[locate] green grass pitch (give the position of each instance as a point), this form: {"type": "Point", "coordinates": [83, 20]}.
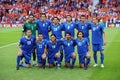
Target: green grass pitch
{"type": "Point", "coordinates": [8, 51]}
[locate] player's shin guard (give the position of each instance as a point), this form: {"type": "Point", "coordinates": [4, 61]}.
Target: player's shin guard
{"type": "Point", "coordinates": [61, 56]}
{"type": "Point", "coordinates": [34, 56]}
{"type": "Point", "coordinates": [95, 57]}
{"type": "Point", "coordinates": [18, 60]}
{"type": "Point", "coordinates": [43, 63]}
{"type": "Point", "coordinates": [102, 58]}
{"type": "Point", "coordinates": [58, 62]}
{"type": "Point", "coordinates": [73, 61]}
{"type": "Point", "coordinates": [87, 61]}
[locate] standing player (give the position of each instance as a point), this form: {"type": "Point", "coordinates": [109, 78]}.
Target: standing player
{"type": "Point", "coordinates": [69, 25]}
{"type": "Point", "coordinates": [98, 41]}
{"type": "Point", "coordinates": [41, 51]}
{"type": "Point", "coordinates": [25, 48]}
{"type": "Point", "coordinates": [56, 29]}
{"type": "Point", "coordinates": [44, 26]}
{"type": "Point", "coordinates": [84, 26]}
{"type": "Point", "coordinates": [69, 44]}
{"type": "Point", "coordinates": [30, 25]}
{"type": "Point", "coordinates": [53, 52]}
{"type": "Point", "coordinates": [83, 48]}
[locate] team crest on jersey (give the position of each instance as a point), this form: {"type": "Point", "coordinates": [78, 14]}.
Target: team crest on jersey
{"type": "Point", "coordinates": [68, 27]}
{"type": "Point", "coordinates": [79, 44]}
{"type": "Point", "coordinates": [82, 27]}
{"type": "Point", "coordinates": [53, 46]}
{"type": "Point", "coordinates": [43, 24]}
{"type": "Point", "coordinates": [28, 42]}
{"type": "Point", "coordinates": [68, 44]}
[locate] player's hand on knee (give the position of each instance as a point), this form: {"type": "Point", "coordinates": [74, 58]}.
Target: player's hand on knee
{"type": "Point", "coordinates": [58, 55]}
{"type": "Point", "coordinates": [37, 40]}
{"type": "Point", "coordinates": [19, 52]}
{"type": "Point", "coordinates": [73, 55]}
{"type": "Point", "coordinates": [88, 55]}
{"type": "Point", "coordinates": [44, 56]}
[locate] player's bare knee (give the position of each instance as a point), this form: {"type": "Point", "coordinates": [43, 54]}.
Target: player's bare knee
{"type": "Point", "coordinates": [81, 65]}
{"type": "Point", "coordinates": [73, 55]}
{"type": "Point", "coordinates": [67, 65]}
{"type": "Point", "coordinates": [50, 65]}
{"type": "Point", "coordinates": [57, 55]}
{"type": "Point", "coordinates": [27, 65]}
{"type": "Point", "coordinates": [88, 56]}
{"type": "Point", "coordinates": [43, 56]}
{"type": "Point", "coordinates": [19, 54]}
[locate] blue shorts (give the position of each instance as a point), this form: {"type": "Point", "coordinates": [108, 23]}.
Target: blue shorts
{"type": "Point", "coordinates": [27, 56]}
{"type": "Point", "coordinates": [39, 58]}
{"type": "Point", "coordinates": [68, 56]}
{"type": "Point", "coordinates": [51, 58]}
{"type": "Point", "coordinates": [98, 47]}
{"type": "Point", "coordinates": [81, 58]}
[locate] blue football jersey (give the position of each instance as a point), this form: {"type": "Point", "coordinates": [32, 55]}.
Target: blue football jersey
{"type": "Point", "coordinates": [97, 33]}
{"type": "Point", "coordinates": [84, 28]}
{"type": "Point", "coordinates": [27, 44]}
{"type": "Point", "coordinates": [68, 46]}
{"type": "Point", "coordinates": [52, 48]}
{"type": "Point", "coordinates": [44, 27]}
{"type": "Point", "coordinates": [69, 27]}
{"type": "Point", "coordinates": [57, 30]}
{"type": "Point", "coordinates": [40, 46]}
{"type": "Point", "coordinates": [82, 45]}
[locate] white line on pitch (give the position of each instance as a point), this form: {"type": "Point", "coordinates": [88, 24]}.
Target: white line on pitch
{"type": "Point", "coordinates": [7, 45]}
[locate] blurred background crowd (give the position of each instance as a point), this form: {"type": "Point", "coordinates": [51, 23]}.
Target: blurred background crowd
{"type": "Point", "coordinates": [17, 11]}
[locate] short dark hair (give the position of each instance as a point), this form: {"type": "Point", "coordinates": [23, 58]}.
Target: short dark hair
{"type": "Point", "coordinates": [67, 33]}
{"type": "Point", "coordinates": [53, 35]}
{"type": "Point", "coordinates": [40, 34]}
{"type": "Point", "coordinates": [56, 18]}
{"type": "Point", "coordinates": [43, 14]}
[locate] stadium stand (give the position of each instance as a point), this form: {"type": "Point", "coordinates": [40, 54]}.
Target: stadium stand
{"type": "Point", "coordinates": [17, 11]}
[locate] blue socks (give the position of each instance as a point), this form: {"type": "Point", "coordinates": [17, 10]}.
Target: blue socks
{"type": "Point", "coordinates": [95, 57]}
{"type": "Point", "coordinates": [73, 61]}
{"type": "Point", "coordinates": [18, 60]}
{"type": "Point", "coordinates": [87, 61]}
{"type": "Point", "coordinates": [102, 58]}
{"type": "Point", "coordinates": [61, 57]}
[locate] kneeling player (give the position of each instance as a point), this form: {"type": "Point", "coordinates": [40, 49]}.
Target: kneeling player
{"type": "Point", "coordinates": [41, 51]}
{"type": "Point", "coordinates": [83, 48]}
{"type": "Point", "coordinates": [69, 44]}
{"type": "Point", "coordinates": [25, 47]}
{"type": "Point", "coordinates": [53, 52]}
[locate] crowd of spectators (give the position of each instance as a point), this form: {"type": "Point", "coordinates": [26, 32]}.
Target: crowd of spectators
{"type": "Point", "coordinates": [17, 11]}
